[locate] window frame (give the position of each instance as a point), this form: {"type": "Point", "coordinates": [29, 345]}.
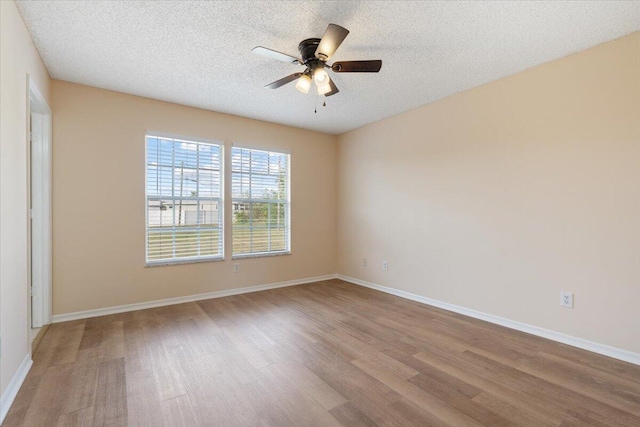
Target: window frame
{"type": "Point", "coordinates": [288, 221]}
{"type": "Point", "coordinates": [220, 199]}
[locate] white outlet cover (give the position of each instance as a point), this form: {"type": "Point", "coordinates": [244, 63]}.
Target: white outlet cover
{"type": "Point", "coordinates": [385, 266]}
{"type": "Point", "coordinates": [236, 267]}
{"type": "Point", "coordinates": [364, 262]}
{"type": "Point", "coordinates": [566, 299]}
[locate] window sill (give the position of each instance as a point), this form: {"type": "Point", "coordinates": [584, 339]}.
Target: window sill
{"type": "Point", "coordinates": [180, 262]}
{"type": "Point", "coordinates": [261, 255]}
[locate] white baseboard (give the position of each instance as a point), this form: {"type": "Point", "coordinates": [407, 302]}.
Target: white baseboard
{"type": "Point", "coordinates": [606, 350]}
{"type": "Point", "coordinates": [616, 353]}
{"type": "Point", "coordinates": [12, 389]}
{"type": "Point", "coordinates": [57, 318]}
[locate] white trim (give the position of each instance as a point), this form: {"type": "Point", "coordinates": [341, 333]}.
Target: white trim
{"type": "Point", "coordinates": [259, 148]}
{"type": "Point", "coordinates": [180, 261]}
{"type": "Point", "coordinates": [14, 386]}
{"type": "Point", "coordinates": [35, 96]}
{"type": "Point", "coordinates": [37, 211]}
{"type": "Point", "coordinates": [38, 105]}
{"type": "Point", "coordinates": [260, 254]}
{"type": "Point", "coordinates": [616, 353]}
{"type": "Point", "coordinates": [58, 318]}
{"type": "Point", "coordinates": [183, 138]}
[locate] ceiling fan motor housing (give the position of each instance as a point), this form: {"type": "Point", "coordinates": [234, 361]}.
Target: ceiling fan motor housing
{"type": "Point", "coordinates": [307, 49]}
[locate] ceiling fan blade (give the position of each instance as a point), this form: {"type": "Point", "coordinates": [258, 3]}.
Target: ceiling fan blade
{"type": "Point", "coordinates": [283, 81]}
{"type": "Point", "coordinates": [357, 66]}
{"type": "Point", "coordinates": [334, 89]}
{"type": "Point", "coordinates": [331, 40]}
{"type": "Point", "coordinates": [270, 53]}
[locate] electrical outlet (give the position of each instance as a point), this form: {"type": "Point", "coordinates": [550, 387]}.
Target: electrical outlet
{"type": "Point", "coordinates": [566, 299]}
{"type": "Point", "coordinates": [236, 267]}
{"type": "Point", "coordinates": [364, 262]}
{"type": "Point", "coordinates": [385, 265]}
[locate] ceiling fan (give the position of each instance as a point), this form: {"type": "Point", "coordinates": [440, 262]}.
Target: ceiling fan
{"type": "Point", "coordinates": [314, 55]}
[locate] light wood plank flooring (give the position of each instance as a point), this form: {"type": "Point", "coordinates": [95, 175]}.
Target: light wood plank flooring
{"type": "Point", "coordinates": [324, 354]}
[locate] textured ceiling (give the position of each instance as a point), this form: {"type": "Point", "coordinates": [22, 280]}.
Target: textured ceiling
{"type": "Point", "coordinates": [199, 53]}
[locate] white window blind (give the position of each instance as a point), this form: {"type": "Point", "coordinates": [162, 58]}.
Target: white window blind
{"type": "Point", "coordinates": [184, 200]}
{"type": "Point", "coordinates": [260, 199]}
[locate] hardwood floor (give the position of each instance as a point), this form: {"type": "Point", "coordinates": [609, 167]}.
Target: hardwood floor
{"type": "Point", "coordinates": [36, 337]}
{"type": "Point", "coordinates": [324, 354]}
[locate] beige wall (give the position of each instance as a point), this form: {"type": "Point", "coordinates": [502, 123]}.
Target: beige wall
{"type": "Point", "coordinates": [18, 58]}
{"type": "Point", "coordinates": [98, 166]}
{"type": "Point", "coordinates": [498, 198]}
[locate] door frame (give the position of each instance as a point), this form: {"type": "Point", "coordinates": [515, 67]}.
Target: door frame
{"type": "Point", "coordinates": [40, 208]}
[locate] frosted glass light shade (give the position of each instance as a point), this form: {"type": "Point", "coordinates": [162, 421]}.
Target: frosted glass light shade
{"type": "Point", "coordinates": [323, 88]}
{"type": "Point", "coordinates": [320, 76]}
{"type": "Point", "coordinates": [304, 83]}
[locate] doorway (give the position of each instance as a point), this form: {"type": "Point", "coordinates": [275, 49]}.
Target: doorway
{"type": "Point", "coordinates": [40, 254]}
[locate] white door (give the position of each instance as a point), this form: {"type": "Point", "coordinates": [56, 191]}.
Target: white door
{"type": "Point", "coordinates": [36, 214]}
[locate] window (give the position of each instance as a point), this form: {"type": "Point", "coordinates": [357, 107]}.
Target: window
{"type": "Point", "coordinates": [260, 193]}
{"type": "Point", "coordinates": [184, 200]}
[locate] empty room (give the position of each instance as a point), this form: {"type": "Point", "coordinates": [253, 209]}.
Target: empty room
{"type": "Point", "coordinates": [319, 213]}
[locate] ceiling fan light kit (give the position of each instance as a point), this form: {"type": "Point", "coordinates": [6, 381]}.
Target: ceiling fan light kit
{"type": "Point", "coordinates": [304, 83]}
{"type": "Point", "coordinates": [314, 54]}
{"type": "Point", "coordinates": [320, 76]}
{"type": "Point", "coordinates": [323, 89]}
